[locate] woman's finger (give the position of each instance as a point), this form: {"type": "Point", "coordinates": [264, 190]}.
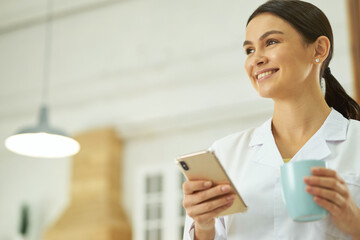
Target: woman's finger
{"type": "Point", "coordinates": [190, 187]}
{"type": "Point", "coordinates": [332, 208]}
{"type": "Point", "coordinates": [210, 206]}
{"type": "Point", "coordinates": [328, 195]}
{"type": "Point", "coordinates": [212, 214]}
{"type": "Point", "coordinates": [330, 183]}
{"type": "Point", "coordinates": [202, 196]}
{"type": "Point", "coordinates": [326, 172]}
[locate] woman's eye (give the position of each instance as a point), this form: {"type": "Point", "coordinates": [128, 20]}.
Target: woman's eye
{"type": "Point", "coordinates": [271, 42]}
{"type": "Point", "coordinates": [249, 51]}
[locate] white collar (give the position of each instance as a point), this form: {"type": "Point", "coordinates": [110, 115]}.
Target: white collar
{"type": "Point", "coordinates": [333, 129]}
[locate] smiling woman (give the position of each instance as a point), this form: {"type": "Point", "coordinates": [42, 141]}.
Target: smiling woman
{"type": "Point", "coordinates": [277, 55]}
{"type": "Point", "coordinates": [311, 32]}
{"type": "Point", "coordinates": [289, 45]}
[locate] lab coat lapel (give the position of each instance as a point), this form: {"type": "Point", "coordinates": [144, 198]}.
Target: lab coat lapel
{"type": "Point", "coordinates": [266, 151]}
{"type": "Point", "coordinates": [314, 149]}
{"type": "Point", "coordinates": [334, 129]}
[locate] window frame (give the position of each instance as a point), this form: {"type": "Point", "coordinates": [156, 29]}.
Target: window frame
{"type": "Point", "coordinates": [353, 8]}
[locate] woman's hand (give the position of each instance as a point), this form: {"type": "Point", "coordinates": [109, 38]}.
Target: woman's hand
{"type": "Point", "coordinates": [203, 202]}
{"type": "Point", "coordinates": [331, 192]}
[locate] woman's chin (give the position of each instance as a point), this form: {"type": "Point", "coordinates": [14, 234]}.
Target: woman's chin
{"type": "Point", "coordinates": [265, 93]}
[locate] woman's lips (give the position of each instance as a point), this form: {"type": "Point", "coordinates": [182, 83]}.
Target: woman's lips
{"type": "Point", "coordinates": [263, 74]}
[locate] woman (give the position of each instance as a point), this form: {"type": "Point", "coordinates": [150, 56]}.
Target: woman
{"type": "Point", "coordinates": [289, 45]}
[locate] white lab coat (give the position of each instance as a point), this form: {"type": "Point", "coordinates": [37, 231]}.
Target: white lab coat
{"type": "Point", "coordinates": [252, 161]}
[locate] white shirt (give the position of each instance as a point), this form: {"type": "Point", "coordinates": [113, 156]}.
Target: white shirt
{"type": "Point", "coordinates": [252, 161]}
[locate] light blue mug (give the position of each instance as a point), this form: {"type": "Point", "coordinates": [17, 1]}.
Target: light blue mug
{"type": "Point", "coordinates": [300, 204]}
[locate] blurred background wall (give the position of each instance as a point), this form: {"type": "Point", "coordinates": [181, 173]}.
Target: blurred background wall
{"type": "Point", "coordinates": [167, 75]}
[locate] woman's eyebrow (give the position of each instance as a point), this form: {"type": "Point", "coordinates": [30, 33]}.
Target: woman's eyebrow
{"type": "Point", "coordinates": [247, 42]}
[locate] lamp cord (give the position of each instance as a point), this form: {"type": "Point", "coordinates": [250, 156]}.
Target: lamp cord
{"type": "Point", "coordinates": [47, 53]}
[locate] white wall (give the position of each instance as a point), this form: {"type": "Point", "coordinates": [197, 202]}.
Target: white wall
{"type": "Point", "coordinates": [168, 75]}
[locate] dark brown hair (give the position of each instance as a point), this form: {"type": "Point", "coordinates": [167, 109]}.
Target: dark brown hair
{"type": "Point", "coordinates": [312, 23]}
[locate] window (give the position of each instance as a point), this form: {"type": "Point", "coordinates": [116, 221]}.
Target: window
{"type": "Point", "coordinates": [159, 214]}
{"type": "Point", "coordinates": [182, 212]}
{"type": "Point", "coordinates": [153, 206]}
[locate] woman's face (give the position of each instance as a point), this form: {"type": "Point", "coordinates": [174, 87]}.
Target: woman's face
{"type": "Point", "coordinates": [279, 63]}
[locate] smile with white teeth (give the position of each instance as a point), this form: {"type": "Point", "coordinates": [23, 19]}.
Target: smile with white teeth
{"type": "Point", "coordinates": [261, 75]}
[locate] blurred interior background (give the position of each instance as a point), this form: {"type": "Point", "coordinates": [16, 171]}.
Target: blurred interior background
{"type": "Point", "coordinates": [137, 83]}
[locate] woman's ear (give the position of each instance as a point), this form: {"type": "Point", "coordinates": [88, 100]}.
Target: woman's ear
{"type": "Point", "coordinates": [321, 48]}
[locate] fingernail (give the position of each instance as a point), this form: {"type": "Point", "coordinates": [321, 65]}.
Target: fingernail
{"type": "Point", "coordinates": [231, 197]}
{"type": "Point", "coordinates": [207, 184]}
{"type": "Point", "coordinates": [225, 188]}
{"type": "Point", "coordinates": [307, 178]}
{"type": "Point", "coordinates": [315, 169]}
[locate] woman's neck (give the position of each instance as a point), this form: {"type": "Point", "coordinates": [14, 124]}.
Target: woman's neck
{"type": "Point", "coordinates": [300, 112]}
{"type": "Point", "coordinates": [296, 120]}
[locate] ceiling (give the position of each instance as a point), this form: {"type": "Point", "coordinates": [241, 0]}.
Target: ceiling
{"type": "Point", "coordinates": [98, 79]}
{"type": "Point", "coordinates": [16, 14]}
{"type": "Point", "coordinates": [142, 66]}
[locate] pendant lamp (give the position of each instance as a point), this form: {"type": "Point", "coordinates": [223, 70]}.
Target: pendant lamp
{"type": "Point", "coordinates": [43, 140]}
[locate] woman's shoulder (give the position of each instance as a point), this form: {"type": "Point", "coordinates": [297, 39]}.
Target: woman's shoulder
{"type": "Point", "coordinates": [355, 123]}
{"type": "Point", "coordinates": [354, 128]}
{"type": "Point", "coordinates": [229, 148]}
{"type": "Point", "coordinates": [237, 140]}
{"type": "Point", "coordinates": [238, 136]}
{"type": "Point", "coordinates": [245, 137]}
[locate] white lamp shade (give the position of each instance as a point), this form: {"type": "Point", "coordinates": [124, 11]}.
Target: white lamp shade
{"type": "Point", "coordinates": [42, 140]}
{"type": "Point", "coordinates": [42, 145]}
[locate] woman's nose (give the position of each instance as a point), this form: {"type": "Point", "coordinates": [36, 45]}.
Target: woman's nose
{"type": "Point", "coordinates": [259, 60]}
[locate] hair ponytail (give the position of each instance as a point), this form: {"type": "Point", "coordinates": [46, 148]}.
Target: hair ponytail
{"type": "Point", "coordinates": [337, 98]}
{"type": "Point", "coordinates": [312, 23]}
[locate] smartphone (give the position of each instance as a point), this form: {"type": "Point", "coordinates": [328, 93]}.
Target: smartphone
{"type": "Point", "coordinates": [204, 165]}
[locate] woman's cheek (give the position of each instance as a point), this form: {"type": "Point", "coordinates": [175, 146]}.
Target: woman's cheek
{"type": "Point", "coordinates": [246, 66]}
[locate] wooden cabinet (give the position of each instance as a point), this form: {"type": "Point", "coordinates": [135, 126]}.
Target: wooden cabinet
{"type": "Point", "coordinates": [95, 211]}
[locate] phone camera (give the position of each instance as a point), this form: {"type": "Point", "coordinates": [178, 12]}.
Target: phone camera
{"type": "Point", "coordinates": [184, 165]}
